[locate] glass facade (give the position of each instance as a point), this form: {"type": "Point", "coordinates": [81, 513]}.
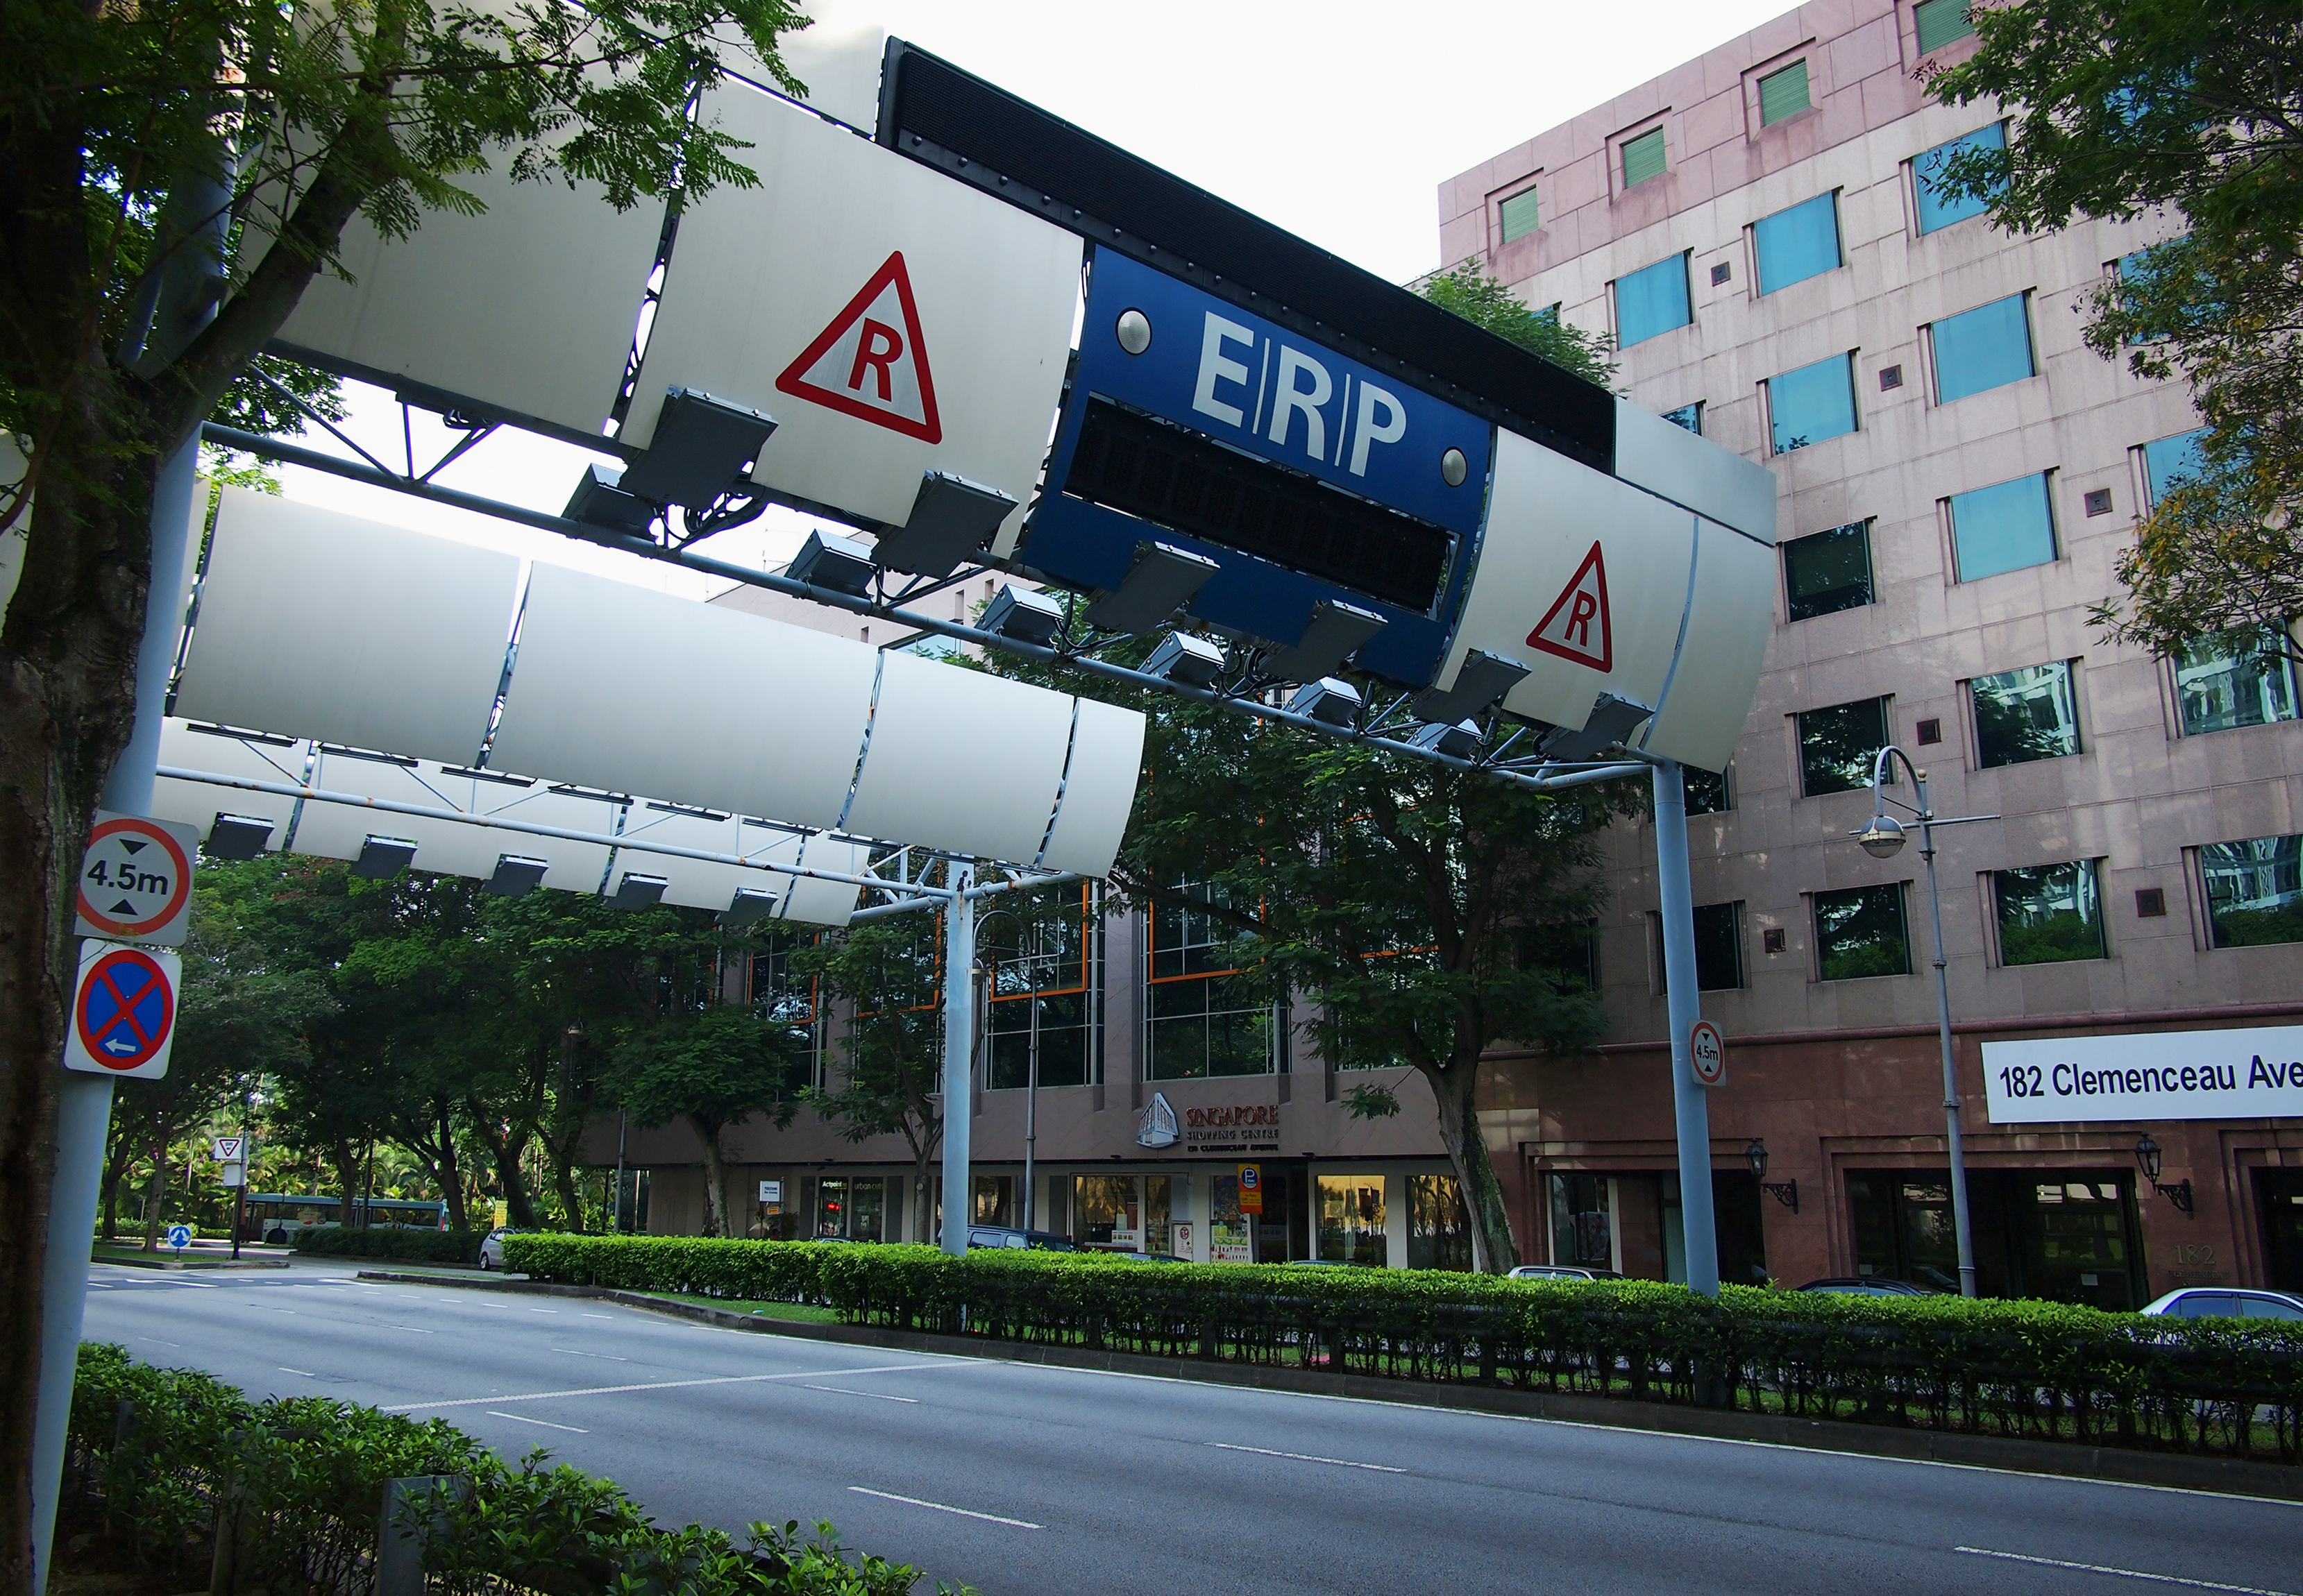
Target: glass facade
{"type": "Point", "coordinates": [1352, 1220]}
{"type": "Point", "coordinates": [1057, 967]}
{"type": "Point", "coordinates": [1812, 404]}
{"type": "Point", "coordinates": [1839, 746]}
{"type": "Point", "coordinates": [2005, 527]}
{"type": "Point", "coordinates": [1202, 1017]}
{"type": "Point", "coordinates": [1861, 932]}
{"type": "Point", "coordinates": [2234, 679]}
{"type": "Point", "coordinates": [1653, 300]}
{"type": "Point", "coordinates": [2168, 460]}
{"type": "Point", "coordinates": [1828, 571]}
{"type": "Point", "coordinates": [2049, 913]}
{"type": "Point", "coordinates": [2254, 890]}
{"type": "Point", "coordinates": [1797, 243]}
{"type": "Point", "coordinates": [1438, 1226]}
{"type": "Point", "coordinates": [785, 999]}
{"type": "Point", "coordinates": [1985, 348]}
{"type": "Point", "coordinates": [1939, 208]}
{"type": "Point", "coordinates": [2024, 714]}
{"type": "Point", "coordinates": [2064, 1235]}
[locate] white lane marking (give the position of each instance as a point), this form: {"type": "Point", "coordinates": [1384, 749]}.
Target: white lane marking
{"type": "Point", "coordinates": [588, 1315]}
{"type": "Point", "coordinates": [103, 1286]}
{"type": "Point", "coordinates": [1381, 1468]}
{"type": "Point", "coordinates": [416, 1330]}
{"type": "Point", "coordinates": [196, 1285]}
{"type": "Point", "coordinates": [664, 1385]}
{"type": "Point", "coordinates": [844, 1391]}
{"type": "Point", "coordinates": [611, 1357]}
{"type": "Point", "coordinates": [156, 1341]}
{"type": "Point", "coordinates": [547, 1423]}
{"type": "Point", "coordinates": [890, 1495]}
{"type": "Point", "coordinates": [290, 1312]}
{"type": "Point", "coordinates": [2160, 1579]}
{"type": "Point", "coordinates": [306, 1373]}
{"type": "Point", "coordinates": [543, 1310]}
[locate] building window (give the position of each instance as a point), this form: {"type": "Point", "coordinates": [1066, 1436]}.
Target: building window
{"type": "Point", "coordinates": [786, 1000]}
{"type": "Point", "coordinates": [1718, 947]}
{"type": "Point", "coordinates": [2049, 914]}
{"type": "Point", "coordinates": [1784, 94]}
{"type": "Point", "coordinates": [1708, 792]}
{"type": "Point", "coordinates": [2254, 890]}
{"type": "Point", "coordinates": [1580, 1230]}
{"type": "Point", "coordinates": [1568, 954]}
{"type": "Point", "coordinates": [1642, 158]}
{"type": "Point", "coordinates": [1653, 300]}
{"type": "Point", "coordinates": [1518, 215]}
{"type": "Point", "coordinates": [1690, 417]}
{"type": "Point", "coordinates": [1838, 745]}
{"type": "Point", "coordinates": [1059, 965]}
{"type": "Point", "coordinates": [2025, 715]}
{"type": "Point", "coordinates": [1352, 1220]}
{"type": "Point", "coordinates": [1987, 346]}
{"type": "Point", "coordinates": [2167, 461]}
{"type": "Point", "coordinates": [1201, 1020]}
{"type": "Point", "coordinates": [1860, 932]}
{"type": "Point", "coordinates": [1438, 1226]}
{"type": "Point", "coordinates": [2002, 528]}
{"type": "Point", "coordinates": [1796, 244]}
{"type": "Point", "coordinates": [1813, 403]}
{"type": "Point", "coordinates": [1938, 208]}
{"type": "Point", "coordinates": [1940, 22]}
{"type": "Point", "coordinates": [2234, 679]}
{"type": "Point", "coordinates": [1828, 571]}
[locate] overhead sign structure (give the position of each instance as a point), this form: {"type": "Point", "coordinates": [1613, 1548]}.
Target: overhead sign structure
{"type": "Point", "coordinates": [871, 361]}
{"type": "Point", "coordinates": [123, 1013]}
{"type": "Point", "coordinates": [2241, 1074]}
{"type": "Point", "coordinates": [1707, 1052]}
{"type": "Point", "coordinates": [136, 879]}
{"type": "Point", "coordinates": [1576, 627]}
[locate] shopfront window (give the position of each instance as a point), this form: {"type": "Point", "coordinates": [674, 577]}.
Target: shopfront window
{"type": "Point", "coordinates": [2027, 714]}
{"type": "Point", "coordinates": [1057, 967]}
{"type": "Point", "coordinates": [1203, 1017]}
{"type": "Point", "coordinates": [1582, 1229]}
{"type": "Point", "coordinates": [1438, 1225]}
{"type": "Point", "coordinates": [2066, 1235]}
{"type": "Point", "coordinates": [995, 1200]}
{"type": "Point", "coordinates": [856, 1209]}
{"type": "Point", "coordinates": [1352, 1220]}
{"type": "Point", "coordinates": [2049, 914]}
{"type": "Point", "coordinates": [2234, 679]}
{"type": "Point", "coordinates": [2254, 890]}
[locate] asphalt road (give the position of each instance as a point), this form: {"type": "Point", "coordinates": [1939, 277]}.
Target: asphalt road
{"type": "Point", "coordinates": [1027, 1481]}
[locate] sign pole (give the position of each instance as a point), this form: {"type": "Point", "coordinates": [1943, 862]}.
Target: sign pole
{"type": "Point", "coordinates": [1690, 1108]}
{"type": "Point", "coordinates": [958, 1055]}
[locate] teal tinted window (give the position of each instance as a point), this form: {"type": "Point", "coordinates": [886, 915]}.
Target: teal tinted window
{"type": "Point", "coordinates": [2024, 714]}
{"type": "Point", "coordinates": [1690, 417]}
{"type": "Point", "coordinates": [2234, 679]}
{"type": "Point", "coordinates": [2254, 890]}
{"type": "Point", "coordinates": [1940, 22]}
{"type": "Point", "coordinates": [1827, 571]}
{"type": "Point", "coordinates": [1860, 932]}
{"type": "Point", "coordinates": [1983, 347]}
{"type": "Point", "coordinates": [2002, 528]}
{"type": "Point", "coordinates": [1643, 158]}
{"type": "Point", "coordinates": [1940, 209]}
{"type": "Point", "coordinates": [1796, 244]}
{"type": "Point", "coordinates": [1812, 404]}
{"type": "Point", "coordinates": [1838, 746]}
{"type": "Point", "coordinates": [2049, 914]}
{"type": "Point", "coordinates": [1781, 94]}
{"type": "Point", "coordinates": [2168, 460]}
{"type": "Point", "coordinates": [1651, 300]}
{"type": "Point", "coordinates": [1518, 215]}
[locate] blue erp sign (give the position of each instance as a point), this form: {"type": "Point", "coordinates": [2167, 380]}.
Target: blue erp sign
{"type": "Point", "coordinates": [1306, 476]}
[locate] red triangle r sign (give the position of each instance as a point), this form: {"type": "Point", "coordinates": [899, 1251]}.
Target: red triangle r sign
{"type": "Point", "coordinates": [870, 362]}
{"type": "Point", "coordinates": [1575, 627]}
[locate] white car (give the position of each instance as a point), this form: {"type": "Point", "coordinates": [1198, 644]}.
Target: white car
{"type": "Point", "coordinates": [492, 1248]}
{"type": "Point", "coordinates": [1562, 1272]}
{"type": "Point", "coordinates": [2226, 1302]}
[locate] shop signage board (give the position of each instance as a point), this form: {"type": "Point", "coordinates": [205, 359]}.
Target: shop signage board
{"type": "Point", "coordinates": [123, 1014]}
{"type": "Point", "coordinates": [1238, 1128]}
{"type": "Point", "coordinates": [2254, 1073]}
{"type": "Point", "coordinates": [771, 1191]}
{"type": "Point", "coordinates": [1707, 1052]}
{"type": "Point", "coordinates": [136, 879]}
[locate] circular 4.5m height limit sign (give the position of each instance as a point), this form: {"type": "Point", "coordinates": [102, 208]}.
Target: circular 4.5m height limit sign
{"type": "Point", "coordinates": [136, 879]}
{"type": "Point", "coordinates": [1707, 1052]}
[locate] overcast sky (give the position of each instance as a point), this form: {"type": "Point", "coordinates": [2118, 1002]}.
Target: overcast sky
{"type": "Point", "coordinates": [1337, 119]}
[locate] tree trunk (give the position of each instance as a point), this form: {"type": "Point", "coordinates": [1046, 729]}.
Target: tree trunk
{"type": "Point", "coordinates": [503, 1152]}
{"type": "Point", "coordinates": [1455, 1087]}
{"type": "Point", "coordinates": [347, 1176]}
{"type": "Point", "coordinates": [115, 1170]}
{"type": "Point", "coordinates": [155, 1196]}
{"type": "Point", "coordinates": [715, 1175]}
{"type": "Point", "coordinates": [572, 1201]}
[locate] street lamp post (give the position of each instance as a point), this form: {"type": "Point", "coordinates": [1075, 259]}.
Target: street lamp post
{"type": "Point", "coordinates": [1883, 838]}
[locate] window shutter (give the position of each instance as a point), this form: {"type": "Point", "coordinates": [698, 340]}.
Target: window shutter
{"type": "Point", "coordinates": [1783, 93]}
{"type": "Point", "coordinates": [1643, 158]}
{"type": "Point", "coordinates": [1940, 22]}
{"type": "Point", "coordinates": [1519, 214]}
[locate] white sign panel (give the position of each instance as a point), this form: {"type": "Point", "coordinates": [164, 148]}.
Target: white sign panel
{"type": "Point", "coordinates": [893, 322]}
{"type": "Point", "coordinates": [226, 1149]}
{"type": "Point", "coordinates": [771, 1191]}
{"type": "Point", "coordinates": [136, 879]}
{"type": "Point", "coordinates": [123, 1014]}
{"type": "Point", "coordinates": [2156, 1075]}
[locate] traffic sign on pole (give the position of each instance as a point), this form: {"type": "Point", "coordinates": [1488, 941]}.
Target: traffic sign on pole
{"type": "Point", "coordinates": [124, 1013]}
{"type": "Point", "coordinates": [1707, 1052]}
{"type": "Point", "coordinates": [227, 1149]}
{"type": "Point", "coordinates": [1251, 1188]}
{"type": "Point", "coordinates": [180, 1237]}
{"type": "Point", "coordinates": [136, 879]}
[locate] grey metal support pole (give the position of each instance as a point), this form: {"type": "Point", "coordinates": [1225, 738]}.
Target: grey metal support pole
{"type": "Point", "coordinates": [1959, 1212]}
{"type": "Point", "coordinates": [1689, 1107]}
{"type": "Point", "coordinates": [84, 1101]}
{"type": "Point", "coordinates": [1032, 1098]}
{"type": "Point", "coordinates": [958, 1055]}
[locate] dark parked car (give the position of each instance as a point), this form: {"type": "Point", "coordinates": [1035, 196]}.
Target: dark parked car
{"type": "Point", "coordinates": [1869, 1285]}
{"type": "Point", "coordinates": [1005, 1236]}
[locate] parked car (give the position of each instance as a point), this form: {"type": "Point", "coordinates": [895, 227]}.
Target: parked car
{"type": "Point", "coordinates": [492, 1248]}
{"type": "Point", "coordinates": [1564, 1271]}
{"type": "Point", "coordinates": [1008, 1236]}
{"type": "Point", "coordinates": [1136, 1257]}
{"type": "Point", "coordinates": [2226, 1302]}
{"type": "Point", "coordinates": [1869, 1285]}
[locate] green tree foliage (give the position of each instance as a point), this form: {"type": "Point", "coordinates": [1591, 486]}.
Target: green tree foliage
{"type": "Point", "coordinates": [2192, 109]}
{"type": "Point", "coordinates": [1476, 296]}
{"type": "Point", "coordinates": [711, 1068]}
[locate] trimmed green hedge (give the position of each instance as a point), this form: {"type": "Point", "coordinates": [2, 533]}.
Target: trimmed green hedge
{"type": "Point", "coordinates": [177, 1461]}
{"type": "Point", "coordinates": [2032, 1369]}
{"type": "Point", "coordinates": [421, 1247]}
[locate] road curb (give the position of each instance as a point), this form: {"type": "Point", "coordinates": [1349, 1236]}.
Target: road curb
{"type": "Point", "coordinates": [2274, 1482]}
{"type": "Point", "coordinates": [157, 1263]}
